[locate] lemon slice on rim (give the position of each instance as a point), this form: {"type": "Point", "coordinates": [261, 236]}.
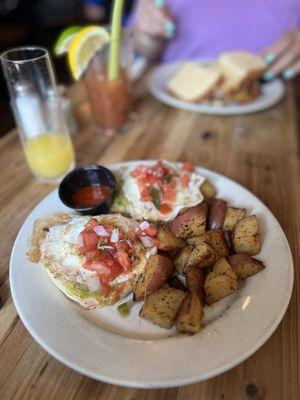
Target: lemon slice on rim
{"type": "Point", "coordinates": [83, 46]}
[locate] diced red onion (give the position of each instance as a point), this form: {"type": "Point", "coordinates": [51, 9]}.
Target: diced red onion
{"type": "Point", "coordinates": [101, 231]}
{"type": "Point", "coordinates": [114, 236]}
{"type": "Point", "coordinates": [147, 241]}
{"type": "Point", "coordinates": [93, 283]}
{"type": "Point", "coordinates": [80, 240]}
{"type": "Point", "coordinates": [144, 225]}
{"type": "Point", "coordinates": [105, 247]}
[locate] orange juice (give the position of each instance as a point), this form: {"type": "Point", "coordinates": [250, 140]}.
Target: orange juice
{"type": "Point", "coordinates": [49, 155]}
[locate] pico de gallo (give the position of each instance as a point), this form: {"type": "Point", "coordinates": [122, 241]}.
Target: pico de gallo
{"type": "Point", "coordinates": [159, 183]}
{"type": "Point", "coordinates": [110, 252]}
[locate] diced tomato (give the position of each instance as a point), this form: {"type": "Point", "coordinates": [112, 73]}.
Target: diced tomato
{"type": "Point", "coordinates": [169, 193]}
{"type": "Point", "coordinates": [106, 289]}
{"type": "Point", "coordinates": [92, 223]}
{"type": "Point", "coordinates": [86, 249]}
{"type": "Point", "coordinates": [106, 266]}
{"type": "Point", "coordinates": [188, 166]}
{"type": "Point", "coordinates": [90, 239]}
{"type": "Point", "coordinates": [90, 255]}
{"type": "Point", "coordinates": [165, 208]}
{"type": "Point", "coordinates": [123, 259]}
{"type": "Point", "coordinates": [150, 231]}
{"type": "Point", "coordinates": [155, 242]}
{"type": "Point", "coordinates": [185, 180]}
{"type": "Point", "coordinates": [124, 246]}
{"type": "Point", "coordinates": [145, 191]}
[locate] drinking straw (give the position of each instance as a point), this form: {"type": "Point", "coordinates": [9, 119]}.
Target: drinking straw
{"type": "Point", "coordinates": [114, 49]}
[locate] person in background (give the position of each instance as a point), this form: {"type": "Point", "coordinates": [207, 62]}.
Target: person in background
{"type": "Point", "coordinates": [99, 10]}
{"type": "Point", "coordinates": [172, 30]}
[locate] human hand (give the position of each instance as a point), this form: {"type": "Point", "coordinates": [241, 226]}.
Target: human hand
{"type": "Point", "coordinates": [154, 19]}
{"type": "Point", "coordinates": [284, 56]}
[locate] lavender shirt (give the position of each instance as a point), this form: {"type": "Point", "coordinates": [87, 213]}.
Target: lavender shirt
{"type": "Point", "coordinates": [204, 28]}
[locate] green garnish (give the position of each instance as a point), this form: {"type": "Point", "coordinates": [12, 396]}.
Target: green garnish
{"type": "Point", "coordinates": [167, 178]}
{"type": "Point", "coordinates": [124, 310]}
{"type": "Point", "coordinates": [155, 195]}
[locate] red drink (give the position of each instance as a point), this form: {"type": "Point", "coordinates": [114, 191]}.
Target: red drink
{"type": "Point", "coordinates": [110, 100]}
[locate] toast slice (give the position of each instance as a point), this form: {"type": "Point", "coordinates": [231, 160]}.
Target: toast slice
{"type": "Point", "coordinates": [193, 83]}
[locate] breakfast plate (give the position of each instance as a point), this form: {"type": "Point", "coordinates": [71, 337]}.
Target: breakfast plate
{"type": "Point", "coordinates": [272, 93]}
{"type": "Point", "coordinates": [131, 351]}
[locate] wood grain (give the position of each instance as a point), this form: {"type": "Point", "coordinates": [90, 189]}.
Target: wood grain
{"type": "Point", "coordinates": [260, 151]}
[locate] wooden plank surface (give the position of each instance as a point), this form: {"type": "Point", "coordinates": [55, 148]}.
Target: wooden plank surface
{"type": "Point", "coordinates": [260, 151]}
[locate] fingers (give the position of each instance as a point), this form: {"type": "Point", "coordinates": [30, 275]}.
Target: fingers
{"type": "Point", "coordinates": [285, 60]}
{"type": "Point", "coordinates": [292, 70]}
{"type": "Point", "coordinates": [154, 18]}
{"type": "Point", "coordinates": [272, 52]}
{"type": "Point", "coordinates": [284, 57]}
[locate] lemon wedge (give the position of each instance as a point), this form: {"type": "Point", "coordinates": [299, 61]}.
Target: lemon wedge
{"type": "Point", "coordinates": [83, 46]}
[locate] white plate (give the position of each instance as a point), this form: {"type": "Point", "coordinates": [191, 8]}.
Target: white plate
{"type": "Point", "coordinates": [133, 352]}
{"type": "Point", "coordinates": [272, 93]}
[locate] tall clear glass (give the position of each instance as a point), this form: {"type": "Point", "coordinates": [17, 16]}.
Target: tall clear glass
{"type": "Point", "coordinates": [110, 101]}
{"type": "Point", "coordinates": [36, 106]}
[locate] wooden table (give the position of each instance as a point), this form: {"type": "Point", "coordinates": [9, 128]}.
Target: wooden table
{"type": "Point", "coordinates": [259, 151]}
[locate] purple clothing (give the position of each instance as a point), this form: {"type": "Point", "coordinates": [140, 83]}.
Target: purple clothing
{"type": "Point", "coordinates": [205, 28]}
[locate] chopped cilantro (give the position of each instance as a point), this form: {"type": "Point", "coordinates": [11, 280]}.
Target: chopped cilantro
{"type": "Point", "coordinates": [155, 195]}
{"type": "Point", "coordinates": [167, 178]}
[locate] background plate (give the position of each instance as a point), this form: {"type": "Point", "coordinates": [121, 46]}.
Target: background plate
{"type": "Point", "coordinates": [133, 352]}
{"type": "Point", "coordinates": [272, 93]}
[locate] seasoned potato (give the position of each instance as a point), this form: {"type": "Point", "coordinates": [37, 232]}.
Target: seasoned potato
{"type": "Point", "coordinates": [244, 265]}
{"type": "Point", "coordinates": [167, 240]}
{"type": "Point", "coordinates": [195, 282]}
{"type": "Point", "coordinates": [176, 283]}
{"type": "Point", "coordinates": [217, 286]}
{"type": "Point", "coordinates": [157, 271]}
{"type": "Point", "coordinates": [190, 314]}
{"type": "Point", "coordinates": [208, 190]}
{"type": "Point", "coordinates": [202, 256]}
{"type": "Point", "coordinates": [228, 240]}
{"type": "Point", "coordinates": [246, 236]}
{"type": "Point", "coordinates": [161, 307]}
{"type": "Point", "coordinates": [216, 214]}
{"type": "Point", "coordinates": [222, 266]}
{"type": "Point", "coordinates": [232, 216]}
{"type": "Point", "coordinates": [215, 238]}
{"type": "Point", "coordinates": [191, 222]}
{"type": "Point", "coordinates": [181, 259]}
{"type": "Point", "coordinates": [196, 240]}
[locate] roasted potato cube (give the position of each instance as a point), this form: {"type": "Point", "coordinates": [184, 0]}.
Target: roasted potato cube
{"type": "Point", "coordinates": [246, 236]}
{"type": "Point", "coordinates": [215, 238]}
{"type": "Point", "coordinates": [244, 265]}
{"type": "Point", "coordinates": [195, 282]}
{"type": "Point", "coordinates": [191, 222]}
{"type": "Point", "coordinates": [196, 240]}
{"type": "Point", "coordinates": [217, 286]}
{"type": "Point", "coordinates": [176, 283]}
{"type": "Point", "coordinates": [202, 256]}
{"type": "Point", "coordinates": [167, 240]}
{"type": "Point", "coordinates": [190, 314]}
{"type": "Point", "coordinates": [157, 271]}
{"type": "Point", "coordinates": [222, 266]}
{"type": "Point", "coordinates": [208, 190]}
{"type": "Point", "coordinates": [181, 259]}
{"type": "Point", "coordinates": [228, 240]}
{"type": "Point", "coordinates": [232, 216]}
{"type": "Point", "coordinates": [161, 307]}
{"type": "Point", "coordinates": [216, 214]}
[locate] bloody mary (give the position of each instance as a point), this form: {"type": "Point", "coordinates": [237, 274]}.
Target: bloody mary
{"type": "Point", "coordinates": [110, 101]}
